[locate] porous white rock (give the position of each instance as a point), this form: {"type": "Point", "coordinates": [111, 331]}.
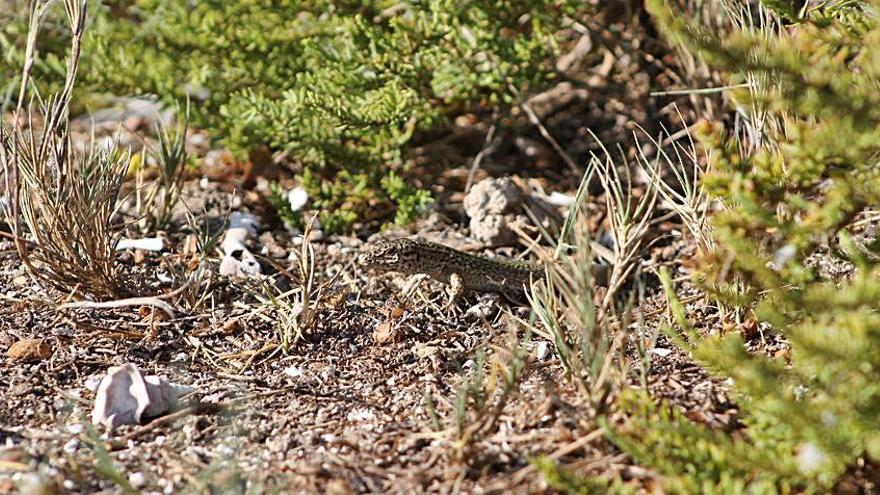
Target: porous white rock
{"type": "Point", "coordinates": [493, 206]}
{"type": "Point", "coordinates": [238, 260]}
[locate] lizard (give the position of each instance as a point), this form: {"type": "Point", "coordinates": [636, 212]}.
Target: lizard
{"type": "Point", "coordinates": [460, 270]}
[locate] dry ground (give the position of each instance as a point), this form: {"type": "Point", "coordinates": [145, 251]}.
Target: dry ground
{"type": "Point", "coordinates": [339, 412]}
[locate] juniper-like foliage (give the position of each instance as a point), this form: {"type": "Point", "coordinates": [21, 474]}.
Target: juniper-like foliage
{"type": "Point", "coordinates": [791, 197]}
{"type": "Point", "coordinates": [341, 87]}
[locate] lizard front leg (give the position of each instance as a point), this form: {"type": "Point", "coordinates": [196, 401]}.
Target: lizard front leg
{"type": "Point", "coordinates": [456, 290]}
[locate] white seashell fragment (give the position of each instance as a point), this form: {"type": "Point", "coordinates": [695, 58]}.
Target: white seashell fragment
{"type": "Point", "coordinates": [125, 396]}
{"type": "Point", "coordinates": [146, 244]}
{"type": "Point", "coordinates": [238, 260]}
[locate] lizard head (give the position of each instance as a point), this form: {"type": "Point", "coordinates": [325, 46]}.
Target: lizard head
{"type": "Point", "coordinates": [391, 255]}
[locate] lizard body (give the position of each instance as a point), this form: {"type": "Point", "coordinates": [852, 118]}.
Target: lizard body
{"type": "Point", "coordinates": [453, 267]}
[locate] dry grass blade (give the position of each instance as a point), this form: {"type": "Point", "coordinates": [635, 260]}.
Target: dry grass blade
{"type": "Point", "coordinates": [757, 126]}
{"type": "Point", "coordinates": [171, 159]}
{"type": "Point", "coordinates": [483, 396]}
{"type": "Point", "coordinates": [630, 217]}
{"type": "Point", "coordinates": [294, 311]}
{"type": "Point", "coordinates": [198, 280]}
{"type": "Point", "coordinates": [683, 195]}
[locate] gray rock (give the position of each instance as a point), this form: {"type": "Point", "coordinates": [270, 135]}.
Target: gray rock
{"type": "Point", "coordinates": [492, 205]}
{"type": "Point", "coordinates": [493, 197]}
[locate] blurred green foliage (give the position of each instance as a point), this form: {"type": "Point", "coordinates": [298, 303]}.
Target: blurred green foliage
{"type": "Point", "coordinates": [49, 67]}
{"type": "Point", "coordinates": [340, 86]}
{"type": "Point", "coordinates": [792, 187]}
{"type": "Point", "coordinates": [693, 458]}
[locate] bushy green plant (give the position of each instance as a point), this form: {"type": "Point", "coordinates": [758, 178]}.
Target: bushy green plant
{"type": "Point", "coordinates": [793, 195]}
{"type": "Point", "coordinates": [49, 67]}
{"type": "Point", "coordinates": [340, 86]}
{"type": "Point", "coordinates": [410, 200]}
{"type": "Point", "coordinates": [565, 482]}
{"type": "Point", "coordinates": [695, 459]}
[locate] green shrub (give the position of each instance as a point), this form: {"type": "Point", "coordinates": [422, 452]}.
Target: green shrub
{"type": "Point", "coordinates": [563, 481]}
{"type": "Point", "coordinates": [340, 86]}
{"type": "Point", "coordinates": [49, 66]}
{"type": "Point", "coordinates": [793, 193]}
{"type": "Point", "coordinates": [695, 459]}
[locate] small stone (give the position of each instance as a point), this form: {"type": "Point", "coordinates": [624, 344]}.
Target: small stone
{"type": "Point", "coordinates": [479, 310]}
{"type": "Point", "coordinates": [559, 199]}
{"type": "Point", "coordinates": [810, 458]}
{"type": "Point", "coordinates": [93, 382]}
{"type": "Point", "coordinates": [278, 443]}
{"type": "Point", "coordinates": [297, 197]}
{"type": "Point", "coordinates": [71, 446]}
{"type": "Point", "coordinates": [782, 256]}
{"type": "Point", "coordinates": [137, 480]}
{"type": "Point", "coordinates": [385, 333]}
{"type": "Point", "coordinates": [493, 197]}
{"type": "Point", "coordinates": [542, 351]}
{"type": "Point", "coordinates": [534, 149]}
{"type": "Point", "coordinates": [661, 351]}
{"type": "Point", "coordinates": [466, 120]}
{"type": "Point", "coordinates": [7, 485]}
{"type": "Point", "coordinates": [294, 372]}
{"type": "Point", "coordinates": [35, 483]}
{"type": "Point", "coordinates": [360, 415]}
{"type": "Point", "coordinates": [28, 350]}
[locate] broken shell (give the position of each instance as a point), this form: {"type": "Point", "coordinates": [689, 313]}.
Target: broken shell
{"type": "Point", "coordinates": [127, 397]}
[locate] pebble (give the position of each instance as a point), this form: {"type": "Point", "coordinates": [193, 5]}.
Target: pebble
{"type": "Point", "coordinates": [71, 446]}
{"type": "Point", "coordinates": [297, 197]}
{"type": "Point", "coordinates": [661, 351]}
{"type": "Point", "coordinates": [294, 372]}
{"type": "Point", "coordinates": [93, 382]}
{"type": "Point", "coordinates": [29, 350]}
{"type": "Point", "coordinates": [137, 480]}
{"type": "Point", "coordinates": [542, 350]}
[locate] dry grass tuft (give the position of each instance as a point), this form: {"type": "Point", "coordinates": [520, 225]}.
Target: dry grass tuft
{"type": "Point", "coordinates": [589, 344]}
{"type": "Point", "coordinates": [483, 396]}
{"type": "Point", "coordinates": [680, 193]}
{"type": "Point", "coordinates": [589, 328]}
{"type": "Point", "coordinates": [629, 215]}
{"type": "Point", "coordinates": [158, 202]}
{"type": "Point", "coordinates": [63, 197]}
{"type": "Point", "coordinates": [295, 311]}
